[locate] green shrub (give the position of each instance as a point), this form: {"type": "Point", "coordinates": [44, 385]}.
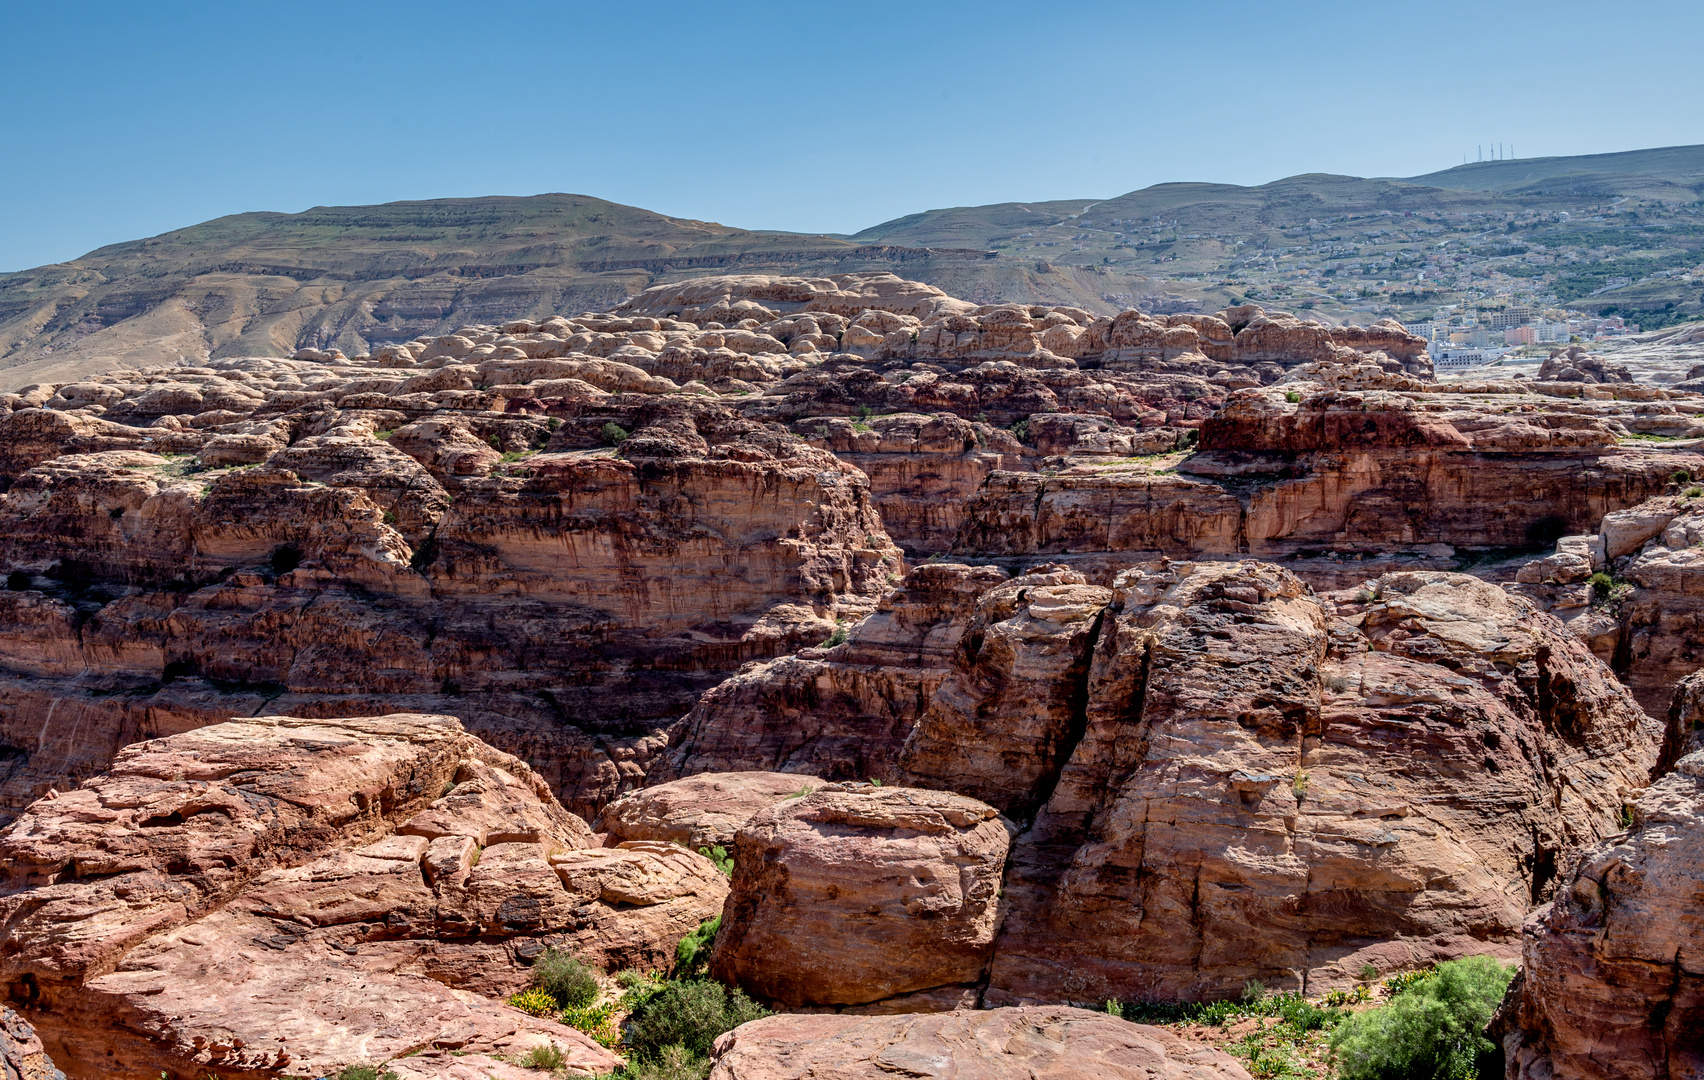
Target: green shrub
{"type": "Point", "coordinates": [837, 638]}
{"type": "Point", "coordinates": [692, 955]}
{"type": "Point", "coordinates": [1253, 990]}
{"type": "Point", "coordinates": [613, 434]}
{"type": "Point", "coordinates": [689, 1014]}
{"type": "Point", "coordinates": [1404, 981]}
{"type": "Point", "coordinates": [1681, 476]}
{"type": "Point", "coordinates": [1601, 583]}
{"type": "Point", "coordinates": [564, 978]}
{"type": "Point", "coordinates": [598, 1021]}
{"type": "Point", "coordinates": [544, 1056]}
{"type": "Point", "coordinates": [1430, 1030]}
{"type": "Point", "coordinates": [366, 1072]}
{"type": "Point", "coordinates": [719, 855]}
{"type": "Point", "coordinates": [1292, 396]}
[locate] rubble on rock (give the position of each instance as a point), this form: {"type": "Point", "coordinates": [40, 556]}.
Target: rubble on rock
{"type": "Point", "coordinates": [284, 896]}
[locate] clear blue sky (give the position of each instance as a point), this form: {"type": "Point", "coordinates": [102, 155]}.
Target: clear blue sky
{"type": "Point", "coordinates": [126, 120]}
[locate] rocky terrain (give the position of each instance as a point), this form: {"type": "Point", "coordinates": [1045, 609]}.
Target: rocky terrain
{"type": "Point", "coordinates": [1019, 657]}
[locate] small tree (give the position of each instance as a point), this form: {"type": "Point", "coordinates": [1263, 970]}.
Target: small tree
{"type": "Point", "coordinates": [613, 434]}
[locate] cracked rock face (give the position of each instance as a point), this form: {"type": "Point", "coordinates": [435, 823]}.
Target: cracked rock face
{"type": "Point", "coordinates": [1612, 988]}
{"type": "Point", "coordinates": [280, 896]}
{"type": "Point", "coordinates": [1056, 1042]}
{"type": "Point", "coordinates": [1248, 781]}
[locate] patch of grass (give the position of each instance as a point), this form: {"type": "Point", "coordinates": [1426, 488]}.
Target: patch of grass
{"type": "Point", "coordinates": [860, 427]}
{"type": "Point", "coordinates": [384, 436]}
{"type": "Point", "coordinates": [511, 456]}
{"type": "Point", "coordinates": [837, 638]}
{"type": "Point", "coordinates": [598, 1021]}
{"type": "Point", "coordinates": [1693, 493]}
{"type": "Point", "coordinates": [366, 1072]}
{"type": "Point", "coordinates": [1431, 1029]}
{"type": "Point", "coordinates": [801, 793]}
{"type": "Point", "coordinates": [546, 1056]}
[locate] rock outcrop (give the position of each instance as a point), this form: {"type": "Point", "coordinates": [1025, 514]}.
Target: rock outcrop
{"type": "Point", "coordinates": [1611, 988]}
{"type": "Point", "coordinates": [1058, 1043]}
{"type": "Point", "coordinates": [853, 894]}
{"type": "Point", "coordinates": [1221, 775]}
{"type": "Point", "coordinates": [702, 810]}
{"type": "Point", "coordinates": [21, 1054]}
{"type": "Point", "coordinates": [278, 896]}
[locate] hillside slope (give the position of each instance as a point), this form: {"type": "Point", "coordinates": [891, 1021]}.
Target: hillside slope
{"type": "Point", "coordinates": [266, 284]}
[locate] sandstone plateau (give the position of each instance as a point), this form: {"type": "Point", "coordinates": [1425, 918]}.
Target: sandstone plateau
{"type": "Point", "coordinates": [1022, 657]}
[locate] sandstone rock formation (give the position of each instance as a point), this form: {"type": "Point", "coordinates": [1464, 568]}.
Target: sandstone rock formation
{"type": "Point", "coordinates": [1611, 989]}
{"type": "Point", "coordinates": [565, 530]}
{"type": "Point", "coordinates": [702, 810]}
{"type": "Point", "coordinates": [279, 897]}
{"type": "Point", "coordinates": [1058, 1043]}
{"type": "Point", "coordinates": [1224, 777]}
{"type": "Point", "coordinates": [852, 894]}
{"type": "Point", "coordinates": [1574, 364]}
{"type": "Point", "coordinates": [21, 1055]}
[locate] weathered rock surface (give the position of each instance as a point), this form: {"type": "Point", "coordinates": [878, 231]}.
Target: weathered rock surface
{"type": "Point", "coordinates": [565, 530]}
{"type": "Point", "coordinates": [851, 894]}
{"type": "Point", "coordinates": [1271, 786]}
{"type": "Point", "coordinates": [1056, 1043]}
{"type": "Point", "coordinates": [279, 896]}
{"type": "Point", "coordinates": [1611, 986]}
{"type": "Point", "coordinates": [1242, 779]}
{"type": "Point", "coordinates": [21, 1054]}
{"type": "Point", "coordinates": [842, 713]}
{"type": "Point", "coordinates": [699, 811]}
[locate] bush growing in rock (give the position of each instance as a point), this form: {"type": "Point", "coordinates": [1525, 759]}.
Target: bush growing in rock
{"type": "Point", "coordinates": [1431, 1030]}
{"type": "Point", "coordinates": [689, 1014]}
{"type": "Point", "coordinates": [565, 979]}
{"type": "Point", "coordinates": [692, 955]}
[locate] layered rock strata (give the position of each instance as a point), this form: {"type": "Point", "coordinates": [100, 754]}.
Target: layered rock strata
{"type": "Point", "coordinates": [1222, 776]}
{"type": "Point", "coordinates": [1058, 1043]}
{"type": "Point", "coordinates": [279, 897]}
{"type": "Point", "coordinates": [564, 531]}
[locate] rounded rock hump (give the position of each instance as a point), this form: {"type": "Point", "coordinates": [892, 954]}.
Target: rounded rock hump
{"type": "Point", "coordinates": [853, 893]}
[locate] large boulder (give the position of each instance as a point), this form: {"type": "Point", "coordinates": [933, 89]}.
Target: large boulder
{"type": "Point", "coordinates": [854, 893]}
{"type": "Point", "coordinates": [1051, 1042]}
{"type": "Point", "coordinates": [278, 897]}
{"type": "Point", "coordinates": [1612, 988]}
{"type": "Point", "coordinates": [699, 811]}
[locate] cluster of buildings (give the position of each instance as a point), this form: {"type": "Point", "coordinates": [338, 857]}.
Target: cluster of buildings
{"type": "Point", "coordinates": [1464, 339]}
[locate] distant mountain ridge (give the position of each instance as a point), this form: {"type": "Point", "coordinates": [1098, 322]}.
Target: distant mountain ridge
{"type": "Point", "coordinates": [267, 283]}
